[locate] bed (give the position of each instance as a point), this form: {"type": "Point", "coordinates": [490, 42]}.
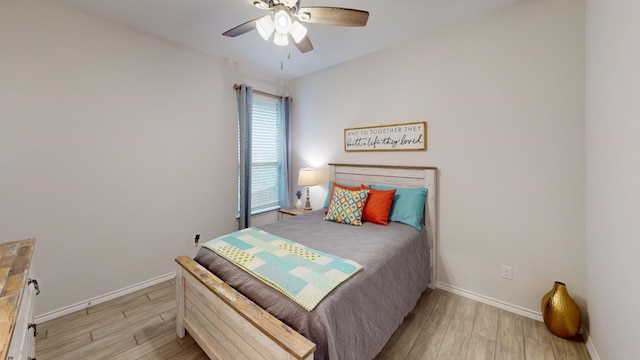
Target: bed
{"type": "Point", "coordinates": [230, 315]}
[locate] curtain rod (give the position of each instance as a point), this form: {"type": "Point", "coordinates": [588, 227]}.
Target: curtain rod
{"type": "Point", "coordinates": [237, 86]}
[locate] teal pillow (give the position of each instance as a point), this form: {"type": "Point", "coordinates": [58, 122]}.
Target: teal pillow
{"type": "Point", "coordinates": [407, 206]}
{"type": "Point", "coordinates": [329, 192]}
{"type": "Point", "coordinates": [328, 197]}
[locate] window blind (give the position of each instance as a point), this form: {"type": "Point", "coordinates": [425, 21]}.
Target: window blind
{"type": "Point", "coordinates": [267, 143]}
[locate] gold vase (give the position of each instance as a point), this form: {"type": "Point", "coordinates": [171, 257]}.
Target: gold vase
{"type": "Point", "coordinates": [560, 313]}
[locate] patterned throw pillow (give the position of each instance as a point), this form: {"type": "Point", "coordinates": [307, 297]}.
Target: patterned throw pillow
{"type": "Point", "coordinates": [346, 206]}
{"type": "Point", "coordinates": [330, 191]}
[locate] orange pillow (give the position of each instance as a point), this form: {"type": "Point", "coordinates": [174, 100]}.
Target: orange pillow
{"type": "Point", "coordinates": [378, 205]}
{"type": "Point", "coordinates": [333, 187]}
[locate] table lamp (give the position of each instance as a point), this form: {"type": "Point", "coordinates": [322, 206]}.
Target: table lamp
{"type": "Point", "coordinates": [307, 177]}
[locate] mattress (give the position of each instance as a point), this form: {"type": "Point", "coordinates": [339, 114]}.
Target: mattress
{"type": "Point", "coordinates": [358, 317]}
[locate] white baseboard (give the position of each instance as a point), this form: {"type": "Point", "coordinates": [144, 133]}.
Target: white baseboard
{"type": "Point", "coordinates": [491, 301]}
{"type": "Point", "coordinates": [103, 298]}
{"type": "Point", "coordinates": [591, 348]}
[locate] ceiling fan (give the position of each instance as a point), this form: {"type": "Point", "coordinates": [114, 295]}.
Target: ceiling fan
{"type": "Point", "coordinates": [283, 21]}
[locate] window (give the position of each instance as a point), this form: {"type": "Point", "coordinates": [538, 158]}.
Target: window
{"type": "Point", "coordinates": [266, 154]}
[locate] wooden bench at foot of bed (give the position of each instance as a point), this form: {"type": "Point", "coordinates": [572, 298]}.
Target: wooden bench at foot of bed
{"type": "Point", "coordinates": [226, 324]}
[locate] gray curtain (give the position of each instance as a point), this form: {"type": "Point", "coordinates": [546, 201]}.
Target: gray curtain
{"type": "Point", "coordinates": [245, 99]}
{"type": "Point", "coordinates": [285, 185]}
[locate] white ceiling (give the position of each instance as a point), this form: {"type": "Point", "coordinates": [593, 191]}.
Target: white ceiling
{"type": "Point", "coordinates": [199, 24]}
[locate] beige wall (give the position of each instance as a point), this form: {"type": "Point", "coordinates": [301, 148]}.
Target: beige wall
{"type": "Point", "coordinates": [116, 147]}
{"type": "Point", "coordinates": [503, 96]}
{"type": "Point", "coordinates": [612, 177]}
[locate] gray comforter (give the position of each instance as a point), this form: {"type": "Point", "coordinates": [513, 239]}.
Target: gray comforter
{"type": "Point", "coordinates": [357, 318]}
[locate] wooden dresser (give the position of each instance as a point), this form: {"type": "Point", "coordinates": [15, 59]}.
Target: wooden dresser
{"type": "Point", "coordinates": [18, 288]}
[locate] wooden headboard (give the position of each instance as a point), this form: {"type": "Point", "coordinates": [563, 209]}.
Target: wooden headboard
{"type": "Point", "coordinates": [400, 176]}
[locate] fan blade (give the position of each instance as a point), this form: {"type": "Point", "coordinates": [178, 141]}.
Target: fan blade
{"type": "Point", "coordinates": [333, 16]}
{"type": "Point", "coordinates": [304, 45]}
{"type": "Point", "coordinates": [241, 29]}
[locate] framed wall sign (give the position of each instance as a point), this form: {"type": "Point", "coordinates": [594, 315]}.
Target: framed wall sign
{"type": "Point", "coordinates": [395, 137]}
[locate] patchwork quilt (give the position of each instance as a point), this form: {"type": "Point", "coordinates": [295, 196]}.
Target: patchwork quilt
{"type": "Point", "coordinates": [303, 274]}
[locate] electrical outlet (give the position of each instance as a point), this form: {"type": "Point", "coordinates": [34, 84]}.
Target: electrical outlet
{"type": "Point", "coordinates": [506, 272]}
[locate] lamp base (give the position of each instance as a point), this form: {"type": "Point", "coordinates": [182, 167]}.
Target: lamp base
{"type": "Point", "coordinates": [307, 205]}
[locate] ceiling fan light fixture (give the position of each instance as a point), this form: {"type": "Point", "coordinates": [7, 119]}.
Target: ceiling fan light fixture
{"type": "Point", "coordinates": [260, 4]}
{"type": "Point", "coordinates": [282, 22]}
{"type": "Point", "coordinates": [286, 21]}
{"type": "Point", "coordinates": [298, 31]}
{"type": "Point", "coordinates": [304, 16]}
{"type": "Point", "coordinates": [281, 39]}
{"type": "Point", "coordinates": [265, 27]}
{"type": "Point", "coordinates": [290, 3]}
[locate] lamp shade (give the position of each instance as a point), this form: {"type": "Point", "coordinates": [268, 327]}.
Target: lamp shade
{"type": "Point", "coordinates": [265, 27]}
{"type": "Point", "coordinates": [308, 177]}
{"type": "Point", "coordinates": [298, 31]}
{"type": "Point", "coordinates": [281, 39]}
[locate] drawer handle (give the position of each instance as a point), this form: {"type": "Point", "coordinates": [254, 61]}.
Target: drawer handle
{"type": "Point", "coordinates": [35, 328]}
{"type": "Point", "coordinates": [35, 285]}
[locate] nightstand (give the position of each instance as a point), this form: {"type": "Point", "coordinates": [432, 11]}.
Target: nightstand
{"type": "Point", "coordinates": [289, 212]}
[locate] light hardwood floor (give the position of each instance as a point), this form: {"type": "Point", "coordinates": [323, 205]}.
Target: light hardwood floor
{"type": "Point", "coordinates": [443, 326]}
